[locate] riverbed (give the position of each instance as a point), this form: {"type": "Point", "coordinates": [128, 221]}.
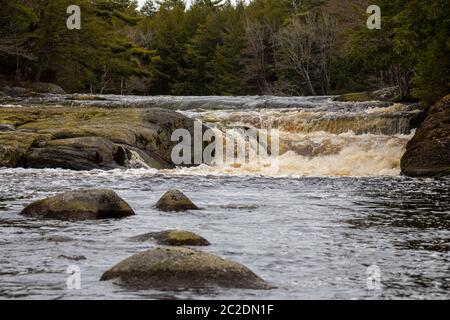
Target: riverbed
{"type": "Point", "coordinates": [311, 237]}
{"type": "Point", "coordinates": [335, 220]}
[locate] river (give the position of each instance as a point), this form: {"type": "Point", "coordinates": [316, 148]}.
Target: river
{"type": "Point", "coordinates": [333, 216]}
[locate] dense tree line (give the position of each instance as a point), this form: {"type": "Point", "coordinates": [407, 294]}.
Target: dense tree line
{"type": "Point", "coordinates": [216, 47]}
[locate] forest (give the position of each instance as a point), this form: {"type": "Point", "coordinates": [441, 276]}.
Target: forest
{"type": "Point", "coordinates": [214, 47]}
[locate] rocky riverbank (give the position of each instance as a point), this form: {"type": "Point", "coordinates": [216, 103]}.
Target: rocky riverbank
{"type": "Point", "coordinates": [428, 153]}
{"type": "Point", "coordinates": [86, 138]}
{"type": "Point", "coordinates": [23, 89]}
{"type": "Point", "coordinates": [85, 132]}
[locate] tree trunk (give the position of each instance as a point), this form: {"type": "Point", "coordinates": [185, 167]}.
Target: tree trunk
{"type": "Point", "coordinates": [39, 73]}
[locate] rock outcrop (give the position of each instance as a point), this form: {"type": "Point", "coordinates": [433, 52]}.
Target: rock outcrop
{"type": "Point", "coordinates": [7, 127]}
{"type": "Point", "coordinates": [182, 268]}
{"type": "Point", "coordinates": [175, 200]}
{"type": "Point", "coordinates": [386, 94]}
{"type": "Point", "coordinates": [28, 89]}
{"type": "Point", "coordinates": [88, 138]}
{"type": "Point", "coordinates": [173, 238]}
{"type": "Point", "coordinates": [44, 87]}
{"type": "Point", "coordinates": [80, 205]}
{"type": "Point", "coordinates": [428, 153]}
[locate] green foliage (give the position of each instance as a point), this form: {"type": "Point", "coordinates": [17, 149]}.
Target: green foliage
{"type": "Point", "coordinates": [98, 57]}
{"type": "Point", "coordinates": [220, 47]}
{"type": "Point", "coordinates": [149, 8]}
{"type": "Point", "coordinates": [412, 47]}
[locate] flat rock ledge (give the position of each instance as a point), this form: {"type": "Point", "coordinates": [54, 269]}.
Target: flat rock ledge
{"type": "Point", "coordinates": [175, 200]}
{"type": "Point", "coordinates": [173, 238]}
{"type": "Point", "coordinates": [89, 138]}
{"type": "Point", "coordinates": [80, 205]}
{"type": "Point", "coordinates": [182, 268]}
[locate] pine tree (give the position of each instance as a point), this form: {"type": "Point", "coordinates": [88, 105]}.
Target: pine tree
{"type": "Point", "coordinates": [149, 8]}
{"type": "Point", "coordinates": [225, 70]}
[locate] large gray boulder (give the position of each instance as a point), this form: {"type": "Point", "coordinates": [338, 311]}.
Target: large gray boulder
{"type": "Point", "coordinates": [16, 91]}
{"type": "Point", "coordinates": [428, 152]}
{"type": "Point", "coordinates": [44, 87]}
{"type": "Point", "coordinates": [182, 268]}
{"type": "Point", "coordinates": [80, 205]}
{"type": "Point", "coordinates": [175, 200]}
{"type": "Point", "coordinates": [83, 153]}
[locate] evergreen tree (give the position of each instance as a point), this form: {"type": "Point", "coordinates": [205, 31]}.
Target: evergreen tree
{"type": "Point", "coordinates": [219, 47]}
{"type": "Point", "coordinates": [149, 8]}
{"type": "Point", "coordinates": [225, 70]}
{"type": "Point", "coordinates": [410, 48]}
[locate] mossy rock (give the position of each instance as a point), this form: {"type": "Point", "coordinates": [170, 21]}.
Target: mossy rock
{"type": "Point", "coordinates": [173, 238]}
{"type": "Point", "coordinates": [76, 153]}
{"type": "Point", "coordinates": [14, 146]}
{"type": "Point", "coordinates": [85, 97]}
{"type": "Point", "coordinates": [140, 131]}
{"type": "Point", "coordinates": [385, 94]}
{"type": "Point", "coordinates": [175, 200]}
{"type": "Point", "coordinates": [43, 87]}
{"type": "Point", "coordinates": [181, 268]}
{"type": "Point", "coordinates": [17, 91]}
{"type": "Point", "coordinates": [428, 152]}
{"type": "Point", "coordinates": [355, 97]}
{"type": "Point", "coordinates": [80, 205]}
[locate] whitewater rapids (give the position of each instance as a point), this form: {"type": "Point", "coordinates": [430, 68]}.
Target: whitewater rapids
{"type": "Point", "coordinates": [326, 140]}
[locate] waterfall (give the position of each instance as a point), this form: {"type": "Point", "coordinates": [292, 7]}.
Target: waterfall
{"type": "Point", "coordinates": [318, 136]}
{"type": "Point", "coordinates": [327, 140]}
{"type": "Point", "coordinates": [135, 161]}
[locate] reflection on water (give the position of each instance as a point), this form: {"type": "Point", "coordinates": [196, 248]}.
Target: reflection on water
{"type": "Point", "coordinates": [310, 237]}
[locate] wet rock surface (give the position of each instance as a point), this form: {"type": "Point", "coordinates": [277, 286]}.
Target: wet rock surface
{"type": "Point", "coordinates": [189, 102]}
{"type": "Point", "coordinates": [428, 153]}
{"type": "Point", "coordinates": [80, 205]}
{"type": "Point", "coordinates": [88, 138]}
{"type": "Point", "coordinates": [182, 268]}
{"type": "Point", "coordinates": [175, 200]}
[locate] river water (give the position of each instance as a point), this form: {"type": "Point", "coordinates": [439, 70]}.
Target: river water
{"type": "Point", "coordinates": [334, 216]}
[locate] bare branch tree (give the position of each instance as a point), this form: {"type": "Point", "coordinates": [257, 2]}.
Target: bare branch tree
{"type": "Point", "coordinates": [305, 46]}
{"type": "Point", "coordinates": [261, 49]}
{"type": "Point", "coordinates": [326, 40]}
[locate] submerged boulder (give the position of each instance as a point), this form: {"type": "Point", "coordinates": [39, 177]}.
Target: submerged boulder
{"type": "Point", "coordinates": [80, 205]}
{"type": "Point", "coordinates": [182, 268]}
{"type": "Point", "coordinates": [174, 238]}
{"type": "Point", "coordinates": [428, 152]}
{"type": "Point", "coordinates": [175, 200]}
